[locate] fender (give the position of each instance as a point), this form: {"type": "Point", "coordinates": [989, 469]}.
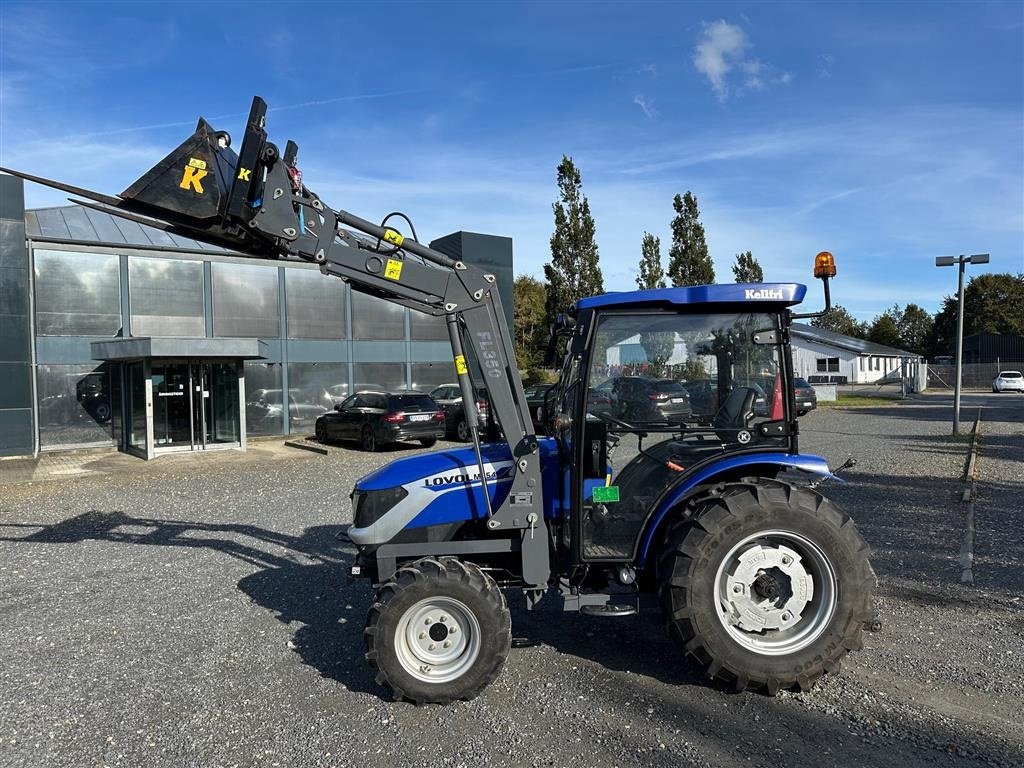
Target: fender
{"type": "Point", "coordinates": [815, 465]}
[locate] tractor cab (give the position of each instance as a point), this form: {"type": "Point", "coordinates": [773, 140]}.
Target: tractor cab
{"type": "Point", "coordinates": [657, 386]}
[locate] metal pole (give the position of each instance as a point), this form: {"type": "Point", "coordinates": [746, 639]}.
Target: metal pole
{"type": "Point", "coordinates": [959, 346]}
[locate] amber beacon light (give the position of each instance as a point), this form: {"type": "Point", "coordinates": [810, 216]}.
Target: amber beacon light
{"type": "Point", "coordinates": [824, 265]}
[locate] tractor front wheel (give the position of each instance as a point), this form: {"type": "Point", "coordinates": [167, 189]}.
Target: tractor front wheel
{"type": "Point", "coordinates": [438, 631]}
{"type": "Point", "coordinates": [767, 585]}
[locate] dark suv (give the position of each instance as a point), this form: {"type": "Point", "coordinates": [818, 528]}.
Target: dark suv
{"type": "Point", "coordinates": [449, 397]}
{"type": "Point", "coordinates": [381, 418]}
{"type": "Point", "coordinates": [641, 398]}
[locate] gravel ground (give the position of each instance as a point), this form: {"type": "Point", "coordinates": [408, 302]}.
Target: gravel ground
{"type": "Point", "coordinates": [197, 616]}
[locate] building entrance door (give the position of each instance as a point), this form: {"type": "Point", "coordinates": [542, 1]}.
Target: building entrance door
{"type": "Point", "coordinates": [195, 405]}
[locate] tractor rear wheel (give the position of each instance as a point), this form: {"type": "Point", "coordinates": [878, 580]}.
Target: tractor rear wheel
{"type": "Point", "coordinates": [766, 585]}
{"type": "Point", "coordinates": [438, 631]}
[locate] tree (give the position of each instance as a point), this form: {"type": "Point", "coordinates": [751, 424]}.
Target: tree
{"type": "Point", "coordinates": [531, 328]}
{"type": "Point", "coordinates": [839, 320]}
{"type": "Point", "coordinates": [883, 330]}
{"type": "Point", "coordinates": [652, 275]}
{"type": "Point", "coordinates": [915, 326]}
{"type": "Point", "coordinates": [992, 302]}
{"type": "Point", "coordinates": [573, 271]}
{"type": "Point", "coordinates": [747, 269]}
{"type": "Point", "coordinates": [688, 260]}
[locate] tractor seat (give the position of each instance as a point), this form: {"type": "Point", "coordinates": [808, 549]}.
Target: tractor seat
{"type": "Point", "coordinates": [733, 418]}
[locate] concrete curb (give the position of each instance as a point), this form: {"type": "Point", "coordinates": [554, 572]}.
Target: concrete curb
{"type": "Point", "coordinates": [305, 445]}
{"type": "Point", "coordinates": [967, 496]}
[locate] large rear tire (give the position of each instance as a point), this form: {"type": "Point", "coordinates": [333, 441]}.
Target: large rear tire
{"type": "Point", "coordinates": [766, 585]}
{"type": "Point", "coordinates": [438, 631]}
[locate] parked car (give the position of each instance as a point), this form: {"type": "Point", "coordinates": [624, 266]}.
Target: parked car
{"type": "Point", "coordinates": [268, 405]}
{"type": "Point", "coordinates": [1008, 381]}
{"type": "Point", "coordinates": [535, 399]}
{"type": "Point", "coordinates": [804, 396]}
{"type": "Point", "coordinates": [449, 398]}
{"type": "Point", "coordinates": [703, 395]}
{"type": "Point", "coordinates": [376, 419]}
{"type": "Point", "coordinates": [642, 398]}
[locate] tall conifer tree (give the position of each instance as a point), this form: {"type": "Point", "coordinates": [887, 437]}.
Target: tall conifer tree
{"type": "Point", "coordinates": [689, 262]}
{"type": "Point", "coordinates": [573, 271]}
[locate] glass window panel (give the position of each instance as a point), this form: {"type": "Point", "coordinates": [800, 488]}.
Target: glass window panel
{"type": "Point", "coordinates": [263, 412]}
{"type": "Point", "coordinates": [166, 297]}
{"type": "Point", "coordinates": [245, 301]}
{"type": "Point", "coordinates": [75, 406]}
{"type": "Point", "coordinates": [316, 305]}
{"type": "Point", "coordinates": [426, 376]}
{"type": "Point", "coordinates": [314, 389]}
{"type": "Point", "coordinates": [77, 294]}
{"type": "Point", "coordinates": [674, 389]}
{"type": "Point", "coordinates": [374, 318]}
{"type": "Point", "coordinates": [426, 327]}
{"type": "Point", "coordinates": [389, 376]}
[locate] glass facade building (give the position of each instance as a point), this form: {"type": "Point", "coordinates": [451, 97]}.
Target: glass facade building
{"type": "Point", "coordinates": [152, 342]}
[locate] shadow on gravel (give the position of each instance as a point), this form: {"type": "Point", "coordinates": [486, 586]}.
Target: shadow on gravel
{"type": "Point", "coordinates": [306, 584]}
{"type": "Point", "coordinates": [911, 525]}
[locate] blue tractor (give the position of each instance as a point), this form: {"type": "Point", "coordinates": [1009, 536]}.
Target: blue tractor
{"type": "Point", "coordinates": [671, 475]}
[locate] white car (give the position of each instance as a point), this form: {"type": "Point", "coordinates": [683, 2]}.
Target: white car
{"type": "Point", "coordinates": [1008, 381]}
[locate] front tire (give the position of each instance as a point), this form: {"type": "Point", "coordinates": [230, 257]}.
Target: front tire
{"type": "Point", "coordinates": [438, 631]}
{"type": "Point", "coordinates": [767, 585]}
{"type": "Point", "coordinates": [462, 431]}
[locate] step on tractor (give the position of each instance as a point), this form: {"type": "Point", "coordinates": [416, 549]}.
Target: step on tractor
{"type": "Point", "coordinates": [670, 476]}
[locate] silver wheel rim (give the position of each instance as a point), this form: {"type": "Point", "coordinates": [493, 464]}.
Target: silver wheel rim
{"type": "Point", "coordinates": [463, 430]}
{"type": "Point", "coordinates": [776, 592]}
{"type": "Point", "coordinates": [437, 640]}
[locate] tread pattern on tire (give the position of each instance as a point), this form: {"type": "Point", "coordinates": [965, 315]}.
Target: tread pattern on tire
{"type": "Point", "coordinates": [685, 546]}
{"type": "Point", "coordinates": [441, 570]}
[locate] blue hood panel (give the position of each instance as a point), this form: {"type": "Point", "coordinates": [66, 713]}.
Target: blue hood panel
{"type": "Point", "coordinates": [444, 486]}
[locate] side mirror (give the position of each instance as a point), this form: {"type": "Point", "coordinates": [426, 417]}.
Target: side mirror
{"type": "Point", "coordinates": [337, 407]}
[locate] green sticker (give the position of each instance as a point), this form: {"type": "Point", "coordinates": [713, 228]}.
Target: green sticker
{"type": "Point", "coordinates": [606, 493]}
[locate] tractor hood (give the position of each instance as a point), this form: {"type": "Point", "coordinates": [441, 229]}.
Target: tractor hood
{"type": "Point", "coordinates": [440, 488]}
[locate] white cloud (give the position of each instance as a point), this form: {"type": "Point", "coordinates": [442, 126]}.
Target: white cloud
{"type": "Point", "coordinates": [722, 49]}
{"type": "Point", "coordinates": [646, 106]}
{"type": "Point", "coordinates": [722, 45]}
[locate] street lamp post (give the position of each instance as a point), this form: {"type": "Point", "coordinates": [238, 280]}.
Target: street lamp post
{"type": "Point", "coordinates": [949, 261]}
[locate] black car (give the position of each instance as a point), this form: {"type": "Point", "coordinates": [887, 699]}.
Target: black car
{"type": "Point", "coordinates": [642, 398]}
{"type": "Point", "coordinates": [804, 396]}
{"type": "Point", "coordinates": [535, 399]}
{"type": "Point", "coordinates": [381, 418]}
{"type": "Point", "coordinates": [449, 397]}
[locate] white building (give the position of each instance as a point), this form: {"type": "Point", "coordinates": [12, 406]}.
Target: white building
{"type": "Point", "coordinates": [826, 356]}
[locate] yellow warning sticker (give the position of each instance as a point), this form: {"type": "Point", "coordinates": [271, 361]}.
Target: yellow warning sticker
{"type": "Point", "coordinates": [460, 365]}
{"type": "Point", "coordinates": [197, 163]}
{"type": "Point", "coordinates": [393, 269]}
{"type": "Point", "coordinates": [393, 237]}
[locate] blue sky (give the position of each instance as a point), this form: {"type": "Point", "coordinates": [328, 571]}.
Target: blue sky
{"type": "Point", "coordinates": [888, 133]}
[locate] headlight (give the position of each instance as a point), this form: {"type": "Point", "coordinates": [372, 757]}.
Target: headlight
{"type": "Point", "coordinates": [370, 506]}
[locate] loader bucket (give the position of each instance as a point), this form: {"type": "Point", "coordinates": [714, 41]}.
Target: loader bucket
{"type": "Point", "coordinates": [193, 181]}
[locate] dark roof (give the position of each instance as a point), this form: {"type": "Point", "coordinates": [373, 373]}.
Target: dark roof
{"type": "Point", "coordinates": [87, 225]}
{"type": "Point", "coordinates": [849, 343]}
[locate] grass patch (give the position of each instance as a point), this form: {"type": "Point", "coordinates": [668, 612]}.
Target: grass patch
{"type": "Point", "coordinates": [856, 401]}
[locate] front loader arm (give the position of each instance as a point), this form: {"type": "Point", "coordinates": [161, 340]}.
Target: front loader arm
{"type": "Point", "coordinates": [254, 202]}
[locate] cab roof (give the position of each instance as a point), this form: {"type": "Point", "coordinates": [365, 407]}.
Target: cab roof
{"type": "Point", "coordinates": [775, 295]}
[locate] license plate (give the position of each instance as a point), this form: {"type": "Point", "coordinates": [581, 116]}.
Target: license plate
{"type": "Point", "coordinates": [420, 417]}
{"type": "Point", "coordinates": [807, 403]}
{"type": "Point", "coordinates": [676, 400]}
